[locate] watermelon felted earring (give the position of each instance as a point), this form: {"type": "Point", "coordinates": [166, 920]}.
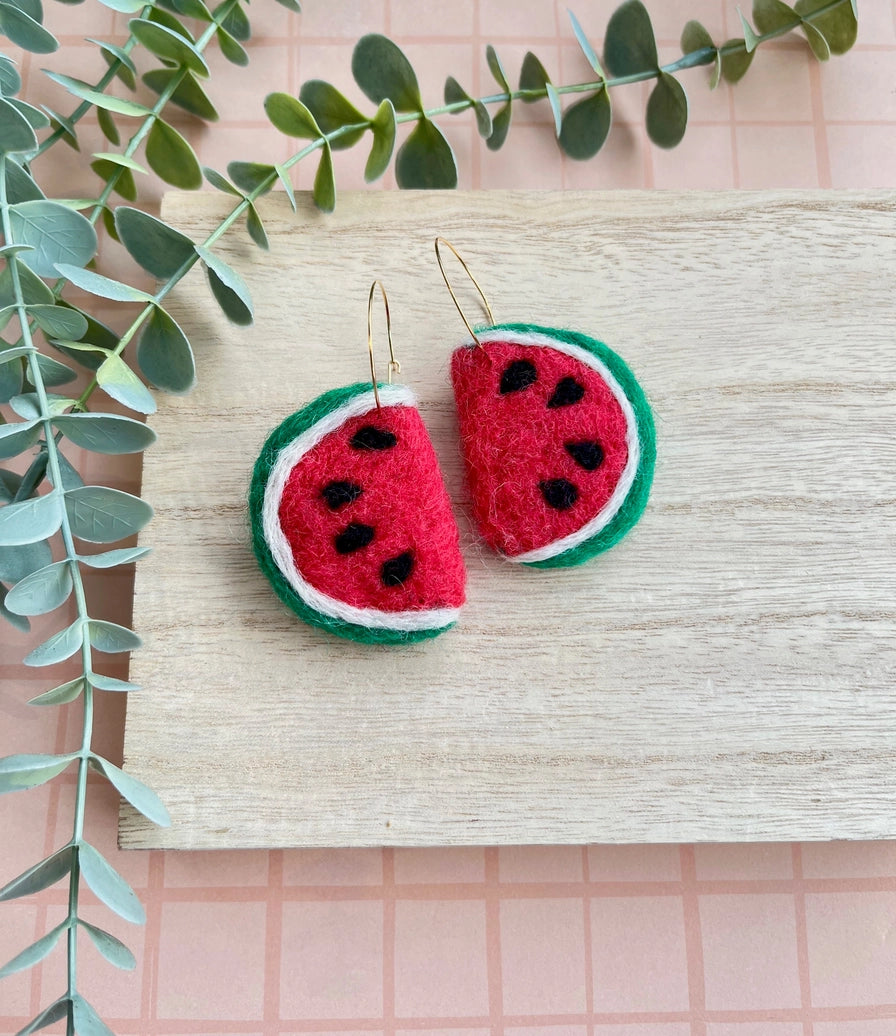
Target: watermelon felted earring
{"type": "Point", "coordinates": [557, 437]}
{"type": "Point", "coordinates": [351, 522]}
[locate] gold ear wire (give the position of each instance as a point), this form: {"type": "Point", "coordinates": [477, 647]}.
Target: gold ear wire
{"type": "Point", "coordinates": [394, 365]}
{"type": "Point", "coordinates": [463, 316]}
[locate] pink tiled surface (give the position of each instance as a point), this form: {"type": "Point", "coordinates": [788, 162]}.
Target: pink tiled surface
{"type": "Point", "coordinates": [750, 940]}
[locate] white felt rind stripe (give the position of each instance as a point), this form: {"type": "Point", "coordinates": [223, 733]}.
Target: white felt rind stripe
{"type": "Point", "coordinates": [632, 440]}
{"type": "Point", "coordinates": [289, 456]}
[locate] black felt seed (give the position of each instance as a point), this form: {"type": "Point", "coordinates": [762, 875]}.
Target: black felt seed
{"type": "Point", "coordinates": [372, 438]}
{"type": "Point", "coordinates": [518, 375]}
{"type": "Point", "coordinates": [588, 455]}
{"type": "Point", "coordinates": [353, 537]}
{"type": "Point", "coordinates": [559, 493]}
{"type": "Point", "coordinates": [397, 570]}
{"type": "Point", "coordinates": [567, 392]}
{"type": "Point", "coordinates": [339, 494]}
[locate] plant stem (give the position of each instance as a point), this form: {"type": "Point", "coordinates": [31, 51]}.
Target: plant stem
{"type": "Point", "coordinates": [71, 556]}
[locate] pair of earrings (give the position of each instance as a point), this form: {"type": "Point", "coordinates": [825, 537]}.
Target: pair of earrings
{"type": "Point", "coordinates": [351, 521]}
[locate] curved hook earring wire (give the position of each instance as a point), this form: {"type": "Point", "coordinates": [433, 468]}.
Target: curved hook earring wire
{"type": "Point", "coordinates": [394, 365]}
{"type": "Point", "coordinates": [463, 316]}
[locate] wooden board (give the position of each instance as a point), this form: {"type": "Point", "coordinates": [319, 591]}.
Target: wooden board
{"type": "Point", "coordinates": [726, 673]}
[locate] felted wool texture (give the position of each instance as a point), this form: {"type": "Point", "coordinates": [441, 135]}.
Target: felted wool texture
{"type": "Point", "coordinates": [515, 443]}
{"type": "Point", "coordinates": [402, 499]}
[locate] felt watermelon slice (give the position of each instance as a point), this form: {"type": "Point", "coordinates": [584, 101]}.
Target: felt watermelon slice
{"type": "Point", "coordinates": [558, 440]}
{"type": "Point", "coordinates": [351, 521]}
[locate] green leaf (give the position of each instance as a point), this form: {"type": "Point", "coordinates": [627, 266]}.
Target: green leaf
{"type": "Point", "coordinates": [381, 70]}
{"type": "Point", "coordinates": [141, 797]}
{"type": "Point", "coordinates": [629, 44]}
{"type": "Point", "coordinates": [34, 116]}
{"type": "Point", "coordinates": [28, 405]}
{"type": "Point", "coordinates": [500, 128]}
{"type": "Point", "coordinates": [220, 182]}
{"type": "Point", "coordinates": [64, 125]}
{"type": "Point", "coordinates": [425, 160]}
{"type": "Point", "coordinates": [751, 40]}
{"type": "Point", "coordinates": [695, 37]}
{"type": "Point", "coordinates": [59, 321]}
{"type": "Point", "coordinates": [19, 185]}
{"type": "Point", "coordinates": [87, 93]}
{"type": "Point", "coordinates": [30, 520]}
{"type": "Point", "coordinates": [256, 228]}
{"type": "Point", "coordinates": [68, 477]}
{"type": "Point", "coordinates": [237, 24]}
{"type": "Point", "coordinates": [770, 15]}
{"type": "Point", "coordinates": [455, 94]}
{"type": "Point", "coordinates": [168, 45]}
{"type": "Point", "coordinates": [64, 694]}
{"type": "Point", "coordinates": [122, 181]}
{"type": "Point", "coordinates": [283, 176]}
{"type": "Point", "coordinates": [35, 953]}
{"type": "Point", "coordinates": [96, 284]}
{"type": "Point", "coordinates": [117, 380]}
{"type": "Point", "coordinates": [99, 514]}
{"type": "Point", "coordinates": [34, 291]}
{"type": "Point", "coordinates": [9, 485]}
{"type": "Point", "coordinates": [124, 6]}
{"type": "Point", "coordinates": [16, 621]}
{"type": "Point", "coordinates": [111, 638]}
{"type": "Point", "coordinates": [188, 95]}
{"type": "Point", "coordinates": [324, 190]}
{"type": "Point", "coordinates": [291, 5]}
{"type": "Point", "coordinates": [10, 80]}
{"type": "Point", "coordinates": [126, 70]}
{"type": "Point", "coordinates": [164, 354]}
{"type": "Point", "coordinates": [228, 287]}
{"type": "Point", "coordinates": [59, 647]}
{"type": "Point", "coordinates": [291, 117]}
{"type": "Point", "coordinates": [231, 49]}
{"type": "Point", "coordinates": [114, 950]}
{"type": "Point", "coordinates": [41, 592]}
{"type": "Point", "coordinates": [383, 128]}
{"type": "Point", "coordinates": [11, 379]}
{"type": "Point", "coordinates": [817, 41]}
{"type": "Point", "coordinates": [53, 372]}
{"type": "Point", "coordinates": [41, 876]}
{"type": "Point", "coordinates": [556, 108]}
{"type": "Point", "coordinates": [20, 561]}
{"type": "Point", "coordinates": [33, 8]}
{"type": "Point", "coordinates": [171, 157]}
{"type": "Point", "coordinates": [736, 62]}
{"type": "Point", "coordinates": [839, 26]}
{"type": "Point", "coordinates": [18, 772]}
{"type": "Point", "coordinates": [586, 126]}
{"type": "Point", "coordinates": [111, 558]}
{"type": "Point", "coordinates": [58, 1010]}
{"type": "Point", "coordinates": [56, 233]}
{"type": "Point", "coordinates": [16, 134]}
{"type": "Point", "coordinates": [667, 112]}
{"type": "Point", "coordinates": [159, 249]}
{"type": "Point", "coordinates": [24, 31]}
{"type": "Point", "coordinates": [87, 1021]}
{"type": "Point", "coordinates": [249, 176]}
{"type": "Point", "coordinates": [108, 885]}
{"type": "Point", "coordinates": [110, 683]}
{"type": "Point", "coordinates": [122, 160]}
{"type": "Point", "coordinates": [105, 433]}
{"type": "Point", "coordinates": [191, 9]}
{"type": "Point", "coordinates": [496, 68]}
{"type": "Point", "coordinates": [332, 111]}
{"type": "Point", "coordinates": [532, 76]}
{"type": "Point", "coordinates": [584, 43]}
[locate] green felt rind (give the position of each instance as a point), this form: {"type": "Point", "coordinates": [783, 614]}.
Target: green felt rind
{"type": "Point", "coordinates": [633, 506]}
{"type": "Point", "coordinates": [279, 438]}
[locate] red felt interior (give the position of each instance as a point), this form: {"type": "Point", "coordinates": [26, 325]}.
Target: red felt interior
{"type": "Point", "coordinates": [512, 442]}
{"type": "Point", "coordinates": [403, 498]}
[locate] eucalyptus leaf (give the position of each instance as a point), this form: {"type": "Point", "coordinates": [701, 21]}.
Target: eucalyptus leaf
{"type": "Point", "coordinates": [220, 182]}
{"type": "Point", "coordinates": [383, 128]}
{"type": "Point", "coordinates": [11, 379]}
{"type": "Point", "coordinates": [533, 76]}
{"type": "Point", "coordinates": [256, 228]}
{"type": "Point", "coordinates": [168, 45]}
{"type": "Point", "coordinates": [249, 176]}
{"type": "Point", "coordinates": [16, 134]}
{"type": "Point", "coordinates": [695, 37]}
{"type": "Point", "coordinates": [820, 47]}
{"type": "Point", "coordinates": [95, 344]}
{"type": "Point", "coordinates": [117, 380]}
{"type": "Point", "coordinates": [111, 638]}
{"type": "Point", "coordinates": [115, 159]}
{"type": "Point", "coordinates": [188, 94]}
{"type": "Point", "coordinates": [751, 40]}
{"type": "Point", "coordinates": [96, 284]}
{"type": "Point", "coordinates": [324, 190]}
{"type": "Point", "coordinates": [291, 5]}
{"type": "Point", "coordinates": [99, 514]}
{"type": "Point", "coordinates": [68, 477]}
{"type": "Point", "coordinates": [500, 128]}
{"type": "Point", "coordinates": [35, 118]}
{"type": "Point", "coordinates": [109, 130]}
{"type": "Point", "coordinates": [41, 876]}
{"type": "Point", "coordinates": [771, 15]}
{"type": "Point", "coordinates": [291, 116]}
{"type": "Point", "coordinates": [381, 70]}
{"type": "Point", "coordinates": [332, 111]}
{"type": "Point", "coordinates": [159, 249]}
{"type": "Point", "coordinates": [228, 287]}
{"type": "Point", "coordinates": [25, 32]}
{"type": "Point", "coordinates": [87, 1021]}
{"type": "Point", "coordinates": [170, 156]}
{"type": "Point", "coordinates": [63, 125]}
{"type": "Point", "coordinates": [586, 126]}
{"type": "Point", "coordinates": [18, 772]}
{"type": "Point", "coordinates": [33, 290]}
{"type": "Point", "coordinates": [30, 521]}
{"type": "Point", "coordinates": [15, 439]}
{"type": "Point", "coordinates": [283, 177]}
{"type": "Point", "coordinates": [108, 885]}
{"type": "Point", "coordinates": [58, 1010]}
{"type": "Point", "coordinates": [237, 24]}
{"type": "Point", "coordinates": [10, 80]}
{"type": "Point", "coordinates": [232, 50]}
{"type": "Point", "coordinates": [53, 372]}
{"type": "Point", "coordinates": [124, 6]}
{"type": "Point", "coordinates": [425, 160]}
{"type": "Point", "coordinates": [112, 53]}
{"type": "Point", "coordinates": [629, 43]}
{"type": "Point", "coordinates": [667, 112]}
{"type": "Point", "coordinates": [111, 558]}
{"type": "Point", "coordinates": [41, 592]}
{"type": "Point", "coordinates": [556, 107]}
{"type": "Point", "coordinates": [56, 233]}
{"type": "Point", "coordinates": [64, 694]}
{"type": "Point", "coordinates": [105, 433]}
{"type": "Point", "coordinates": [28, 405]}
{"type": "Point", "coordinates": [16, 621]}
{"type": "Point", "coordinates": [736, 60]}
{"type": "Point", "coordinates": [110, 683]}
{"type": "Point", "coordinates": [9, 486]}
{"type": "Point", "coordinates": [59, 647]}
{"type": "Point", "coordinates": [87, 93]}
{"type": "Point", "coordinates": [19, 561]}
{"type": "Point", "coordinates": [839, 26]}
{"type": "Point", "coordinates": [141, 797]}
{"type": "Point", "coordinates": [33, 8]}
{"type": "Point", "coordinates": [114, 950]}
{"type": "Point", "coordinates": [35, 953]}
{"type": "Point", "coordinates": [122, 180]}
{"type": "Point", "coordinates": [584, 43]}
{"type": "Point", "coordinates": [164, 354]}
{"type": "Point", "coordinates": [20, 186]}
{"type": "Point", "coordinates": [59, 321]}
{"type": "Point", "coordinates": [162, 14]}
{"type": "Point", "coordinates": [496, 68]}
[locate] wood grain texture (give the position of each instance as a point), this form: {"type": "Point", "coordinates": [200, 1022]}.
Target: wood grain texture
{"type": "Point", "coordinates": [725, 673]}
